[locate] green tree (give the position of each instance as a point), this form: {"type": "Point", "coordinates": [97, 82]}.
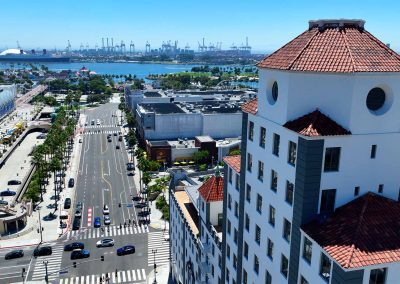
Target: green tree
{"type": "Point", "coordinates": [201, 157]}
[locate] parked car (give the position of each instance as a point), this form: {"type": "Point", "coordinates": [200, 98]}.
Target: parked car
{"type": "Point", "coordinates": [105, 243]}
{"type": "Point", "coordinates": [67, 203]}
{"type": "Point", "coordinates": [80, 140]}
{"type": "Point", "coordinates": [78, 213]}
{"type": "Point", "coordinates": [74, 245]}
{"type": "Point", "coordinates": [97, 222]}
{"type": "Point", "coordinates": [106, 210]}
{"type": "Point", "coordinates": [81, 253]}
{"type": "Point", "coordinates": [76, 224]}
{"type": "Point", "coordinates": [115, 133]}
{"type": "Point", "coordinates": [71, 182]}
{"type": "Point", "coordinates": [130, 167]}
{"type": "Point", "coordinates": [109, 140]}
{"type": "Point", "coordinates": [8, 192]}
{"type": "Point", "coordinates": [41, 251]}
{"type": "Point", "coordinates": [79, 205]}
{"type": "Point", "coordinates": [107, 220]}
{"type": "Point", "coordinates": [41, 136]}
{"type": "Point", "coordinates": [120, 138]}
{"type": "Point", "coordinates": [126, 250]}
{"type": "Point", "coordinates": [14, 182]}
{"type": "Point", "coordinates": [117, 147]}
{"type": "Point", "coordinates": [3, 202]}
{"type": "Point", "coordinates": [14, 254]}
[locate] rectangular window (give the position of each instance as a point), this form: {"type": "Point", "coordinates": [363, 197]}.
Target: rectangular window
{"type": "Point", "coordinates": [373, 151]}
{"type": "Point", "coordinates": [377, 276]}
{"type": "Point", "coordinates": [219, 261]}
{"type": "Point", "coordinates": [258, 234]}
{"type": "Point", "coordinates": [356, 191]}
{"type": "Point", "coordinates": [380, 188]}
{"type": "Point", "coordinates": [268, 278]}
{"type": "Point", "coordinates": [270, 249]}
{"type": "Point", "coordinates": [246, 250]}
{"type": "Point", "coordinates": [307, 250]}
{"type": "Point", "coordinates": [249, 162]}
{"type": "Point", "coordinates": [292, 153]}
{"type": "Point", "coordinates": [228, 229]}
{"type": "Point", "coordinates": [332, 157]}
{"type": "Point", "coordinates": [289, 192]}
{"type": "Point", "coordinates": [234, 261]}
{"type": "Point", "coordinates": [227, 277]}
{"type": "Point", "coordinates": [260, 170]}
{"type": "Point", "coordinates": [247, 222]}
{"type": "Point", "coordinates": [229, 201]}
{"type": "Point", "coordinates": [230, 176]}
{"type": "Point", "coordinates": [237, 182]}
{"type": "Point", "coordinates": [251, 130]}
{"type": "Point", "coordinates": [236, 209]}
{"type": "Point", "coordinates": [271, 218]}
{"type": "Point", "coordinates": [262, 137]}
{"type": "Point", "coordinates": [275, 144]}
{"type": "Point", "coordinates": [303, 280]}
{"type": "Point", "coordinates": [274, 180]}
{"type": "Point", "coordinates": [235, 236]}
{"type": "Point", "coordinates": [248, 193]}
{"type": "Point", "coordinates": [256, 264]}
{"type": "Point", "coordinates": [287, 227]}
{"type": "Point", "coordinates": [284, 266]}
{"type": "Point", "coordinates": [244, 276]}
{"type": "Point", "coordinates": [328, 201]}
{"type": "Point", "coordinates": [259, 203]}
{"type": "Point", "coordinates": [325, 267]}
{"type": "Point", "coordinates": [228, 251]}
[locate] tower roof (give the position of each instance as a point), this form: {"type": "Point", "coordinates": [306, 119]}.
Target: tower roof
{"type": "Point", "coordinates": [213, 189]}
{"type": "Point", "coordinates": [340, 46]}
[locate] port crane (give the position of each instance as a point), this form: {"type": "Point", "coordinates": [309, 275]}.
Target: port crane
{"type": "Point", "coordinates": [132, 47]}
{"type": "Point", "coordinates": [68, 48]}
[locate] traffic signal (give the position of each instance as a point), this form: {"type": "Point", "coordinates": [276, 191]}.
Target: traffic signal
{"type": "Point", "coordinates": [102, 258]}
{"type": "Point", "coordinates": [74, 264]}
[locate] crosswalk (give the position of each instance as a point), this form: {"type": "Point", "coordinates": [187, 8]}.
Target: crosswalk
{"type": "Point", "coordinates": [109, 231]}
{"type": "Point", "coordinates": [53, 265]}
{"type": "Point", "coordinates": [96, 132]}
{"type": "Point", "coordinates": [100, 126]}
{"type": "Point", "coordinates": [156, 242]}
{"type": "Point", "coordinates": [125, 276]}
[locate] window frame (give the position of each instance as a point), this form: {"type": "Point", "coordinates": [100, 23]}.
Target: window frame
{"type": "Point", "coordinates": [292, 153]}
{"type": "Point", "coordinates": [285, 260]}
{"type": "Point", "coordinates": [272, 215]}
{"type": "Point", "coordinates": [323, 260]}
{"type": "Point", "coordinates": [276, 140]}
{"type": "Point", "coordinates": [274, 180]}
{"type": "Point", "coordinates": [259, 203]}
{"type": "Point", "coordinates": [286, 230]}
{"type": "Point", "coordinates": [373, 151]}
{"type": "Point", "coordinates": [248, 192]}
{"type": "Point", "coordinates": [326, 201]}
{"type": "Point", "coordinates": [260, 174]}
{"type": "Point", "coordinates": [249, 162]}
{"type": "Point", "coordinates": [263, 134]}
{"type": "Point", "coordinates": [257, 234]}
{"type": "Point", "coordinates": [307, 250]}
{"type": "Point", "coordinates": [230, 174]}
{"type": "Point", "coordinates": [375, 281]}
{"type": "Point", "coordinates": [256, 264]}
{"type": "Point", "coordinates": [329, 164]}
{"type": "Point", "coordinates": [289, 197]}
{"type": "Point", "coordinates": [251, 131]}
{"type": "Point", "coordinates": [270, 249]}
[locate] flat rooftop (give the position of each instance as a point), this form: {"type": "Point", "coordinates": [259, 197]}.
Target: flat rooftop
{"type": "Point", "coordinates": [188, 209]}
{"type": "Point", "coordinates": [162, 108]}
{"type": "Point", "coordinates": [152, 94]}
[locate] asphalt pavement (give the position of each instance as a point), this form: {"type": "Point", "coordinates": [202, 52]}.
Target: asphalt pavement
{"type": "Point", "coordinates": [102, 179]}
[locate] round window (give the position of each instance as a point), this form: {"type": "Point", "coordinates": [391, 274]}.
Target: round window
{"type": "Point", "coordinates": [275, 91]}
{"type": "Point", "coordinates": [375, 99]}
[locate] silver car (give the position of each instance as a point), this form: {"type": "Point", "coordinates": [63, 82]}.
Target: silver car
{"type": "Point", "coordinates": [107, 220]}
{"type": "Point", "coordinates": [105, 243]}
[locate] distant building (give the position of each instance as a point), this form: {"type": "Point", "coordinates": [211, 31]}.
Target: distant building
{"type": "Point", "coordinates": [170, 121]}
{"type": "Point", "coordinates": [8, 95]}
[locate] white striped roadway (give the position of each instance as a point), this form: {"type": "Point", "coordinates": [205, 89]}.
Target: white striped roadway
{"type": "Point", "coordinates": [124, 276]}
{"type": "Point", "coordinates": [109, 231]}
{"type": "Point", "coordinates": [156, 241]}
{"type": "Point", "coordinates": [53, 264]}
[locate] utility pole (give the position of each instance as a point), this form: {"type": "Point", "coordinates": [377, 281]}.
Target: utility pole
{"type": "Point", "coordinates": [154, 251]}
{"type": "Point", "coordinates": [40, 228]}
{"type": "Point", "coordinates": [46, 277]}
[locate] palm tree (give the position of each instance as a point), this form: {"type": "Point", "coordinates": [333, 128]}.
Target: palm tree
{"type": "Point", "coordinates": [38, 161]}
{"type": "Point", "coordinates": [54, 166]}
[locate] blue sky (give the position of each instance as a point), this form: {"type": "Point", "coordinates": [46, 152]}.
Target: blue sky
{"type": "Point", "coordinates": [268, 24]}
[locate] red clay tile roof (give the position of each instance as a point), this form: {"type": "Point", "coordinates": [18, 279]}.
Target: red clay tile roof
{"type": "Point", "coordinates": [330, 48]}
{"type": "Point", "coordinates": [364, 232]}
{"type": "Point", "coordinates": [316, 124]}
{"type": "Point", "coordinates": [213, 189]}
{"type": "Point", "coordinates": [251, 106]}
{"type": "Point", "coordinates": [233, 162]}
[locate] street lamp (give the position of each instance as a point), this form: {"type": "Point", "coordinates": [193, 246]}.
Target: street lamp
{"type": "Point", "coordinates": [40, 228]}
{"type": "Point", "coordinates": [154, 251]}
{"type": "Point", "coordinates": [46, 277]}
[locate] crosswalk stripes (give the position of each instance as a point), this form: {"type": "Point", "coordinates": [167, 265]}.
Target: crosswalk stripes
{"type": "Point", "coordinates": [53, 265]}
{"type": "Point", "coordinates": [101, 126]}
{"type": "Point", "coordinates": [109, 231]}
{"type": "Point", "coordinates": [100, 132]}
{"type": "Point", "coordinates": [156, 242]}
{"type": "Point", "coordinates": [124, 276]}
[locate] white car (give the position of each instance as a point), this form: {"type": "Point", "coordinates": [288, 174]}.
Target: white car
{"type": "Point", "coordinates": [105, 243]}
{"type": "Point", "coordinates": [106, 210]}
{"type": "Point", "coordinates": [107, 220]}
{"type": "Point", "coordinates": [98, 122]}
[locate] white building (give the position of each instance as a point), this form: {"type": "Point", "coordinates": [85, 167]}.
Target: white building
{"type": "Point", "coordinates": [8, 94]}
{"type": "Point", "coordinates": [196, 228]}
{"type": "Point", "coordinates": [317, 196]}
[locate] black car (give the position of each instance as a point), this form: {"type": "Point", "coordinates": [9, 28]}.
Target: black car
{"type": "Point", "coordinates": [79, 205]}
{"type": "Point", "coordinates": [115, 133]}
{"type": "Point", "coordinates": [67, 203]}
{"type": "Point", "coordinates": [74, 245]}
{"type": "Point", "coordinates": [71, 182]}
{"type": "Point", "coordinates": [126, 250]}
{"type": "Point", "coordinates": [14, 182]}
{"type": "Point", "coordinates": [109, 140]}
{"type": "Point", "coordinates": [117, 147]}
{"type": "Point", "coordinates": [42, 251]}
{"type": "Point", "coordinates": [130, 167]}
{"type": "Point", "coordinates": [14, 254]}
{"type": "Point", "coordinates": [76, 224]}
{"type": "Point", "coordinates": [120, 138]}
{"type": "Point", "coordinates": [78, 254]}
{"type": "Point", "coordinates": [8, 193]}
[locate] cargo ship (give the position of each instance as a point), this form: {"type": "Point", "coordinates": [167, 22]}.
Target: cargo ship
{"type": "Point", "coordinates": [19, 55]}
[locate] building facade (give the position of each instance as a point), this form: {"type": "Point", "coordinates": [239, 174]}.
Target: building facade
{"type": "Point", "coordinates": [318, 170]}
{"type": "Point", "coordinates": [8, 94]}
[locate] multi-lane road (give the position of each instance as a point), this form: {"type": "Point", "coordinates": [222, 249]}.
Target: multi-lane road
{"type": "Point", "coordinates": [102, 179]}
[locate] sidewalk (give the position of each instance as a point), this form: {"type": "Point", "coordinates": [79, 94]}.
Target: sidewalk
{"type": "Point", "coordinates": [51, 228]}
{"type": "Point", "coordinates": [162, 275]}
